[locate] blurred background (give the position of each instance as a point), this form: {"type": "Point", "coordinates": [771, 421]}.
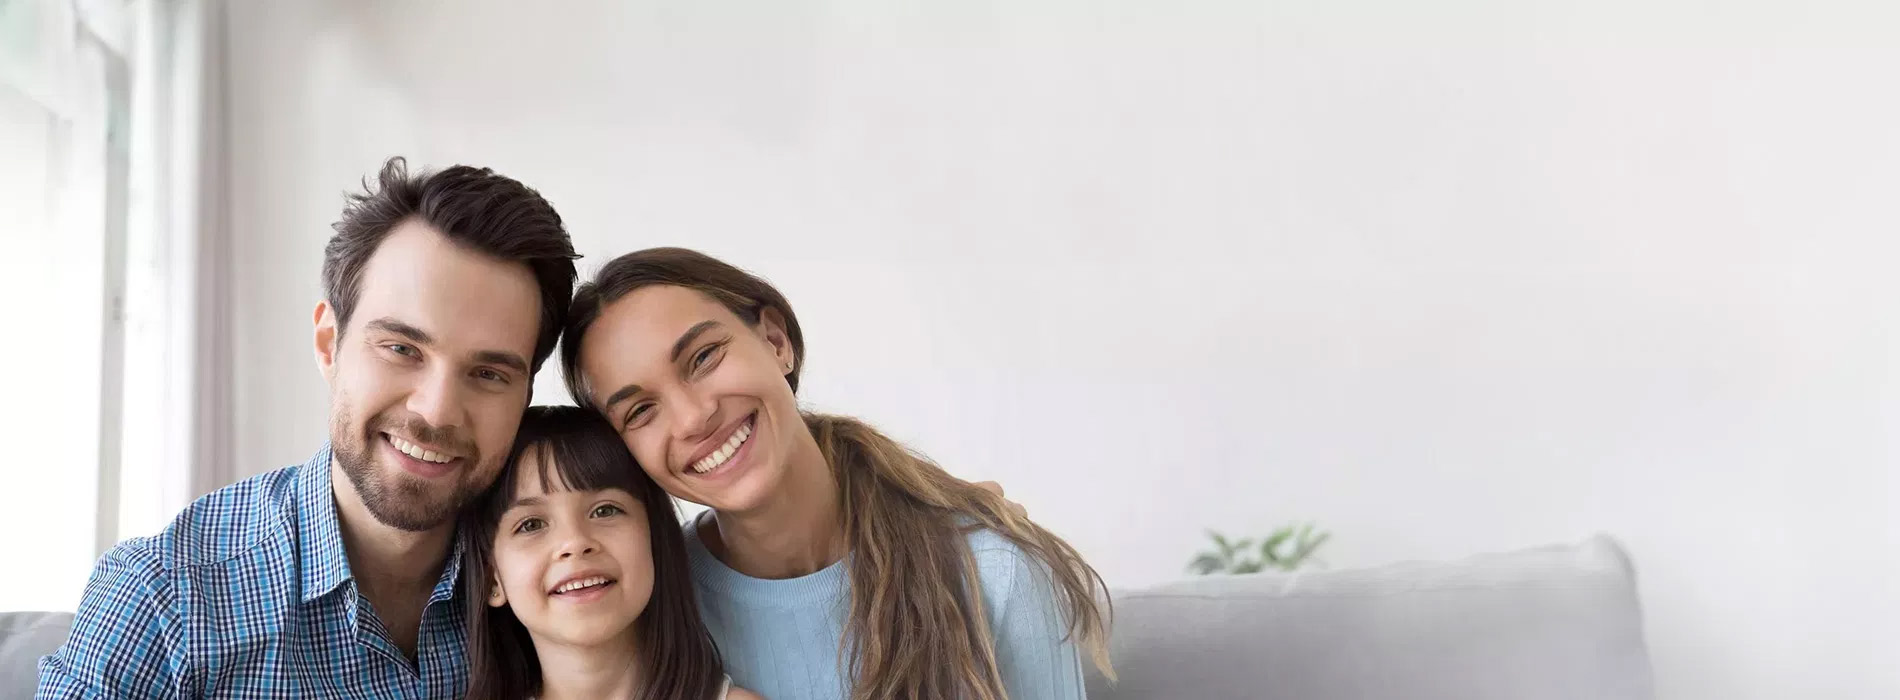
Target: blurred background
{"type": "Point", "coordinates": [1439, 277]}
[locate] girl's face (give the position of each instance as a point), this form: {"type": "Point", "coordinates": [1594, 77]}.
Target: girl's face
{"type": "Point", "coordinates": [575, 566]}
{"type": "Point", "coordinates": [699, 396]}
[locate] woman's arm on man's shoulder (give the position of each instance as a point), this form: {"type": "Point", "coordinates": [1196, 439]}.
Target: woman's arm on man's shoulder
{"type": "Point", "coordinates": [1033, 652]}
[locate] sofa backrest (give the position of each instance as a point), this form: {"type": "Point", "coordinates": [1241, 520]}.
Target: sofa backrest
{"type": "Point", "coordinates": [1555, 623]}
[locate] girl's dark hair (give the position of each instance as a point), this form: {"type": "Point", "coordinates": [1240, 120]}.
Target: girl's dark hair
{"type": "Point", "coordinates": [577, 450]}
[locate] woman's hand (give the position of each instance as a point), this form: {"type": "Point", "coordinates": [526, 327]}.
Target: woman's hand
{"type": "Point", "coordinates": [997, 489]}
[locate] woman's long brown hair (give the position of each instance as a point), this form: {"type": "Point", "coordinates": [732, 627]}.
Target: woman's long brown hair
{"type": "Point", "coordinates": [578, 450]}
{"type": "Point", "coordinates": [917, 627]}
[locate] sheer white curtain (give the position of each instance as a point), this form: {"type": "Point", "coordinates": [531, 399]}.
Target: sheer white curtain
{"type": "Point", "coordinates": [175, 444]}
{"type": "Point", "coordinates": [111, 278]}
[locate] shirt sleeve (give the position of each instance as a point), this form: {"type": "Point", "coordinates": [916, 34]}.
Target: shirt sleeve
{"type": "Point", "coordinates": [1033, 652]}
{"type": "Point", "coordinates": [126, 640]}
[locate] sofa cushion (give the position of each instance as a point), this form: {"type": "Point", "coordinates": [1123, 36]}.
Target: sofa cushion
{"type": "Point", "coordinates": [1556, 623]}
{"type": "Point", "coordinates": [24, 638]}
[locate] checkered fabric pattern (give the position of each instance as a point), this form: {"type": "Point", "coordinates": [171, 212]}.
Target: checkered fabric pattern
{"type": "Point", "coordinates": [248, 594]}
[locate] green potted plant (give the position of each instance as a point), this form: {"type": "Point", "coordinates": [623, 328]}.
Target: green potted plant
{"type": "Point", "coordinates": [1286, 549]}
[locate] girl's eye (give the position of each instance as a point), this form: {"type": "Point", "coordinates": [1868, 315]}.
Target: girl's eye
{"type": "Point", "coordinates": [529, 525]}
{"type": "Point", "coordinates": [606, 509]}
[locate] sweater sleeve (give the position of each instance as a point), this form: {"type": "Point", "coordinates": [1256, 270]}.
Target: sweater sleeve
{"type": "Point", "coordinates": [1033, 652]}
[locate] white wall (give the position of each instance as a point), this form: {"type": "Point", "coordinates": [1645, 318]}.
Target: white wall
{"type": "Point", "coordinates": [1474, 277]}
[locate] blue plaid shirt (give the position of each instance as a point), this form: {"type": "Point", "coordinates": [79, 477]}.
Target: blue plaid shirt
{"type": "Point", "coordinates": [248, 594]}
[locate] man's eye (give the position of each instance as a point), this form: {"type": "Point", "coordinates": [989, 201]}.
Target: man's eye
{"type": "Point", "coordinates": [401, 349]}
{"type": "Point", "coordinates": [490, 375]}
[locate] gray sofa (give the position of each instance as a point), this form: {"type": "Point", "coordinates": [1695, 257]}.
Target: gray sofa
{"type": "Point", "coordinates": [24, 638]}
{"type": "Point", "coordinates": [1557, 623]}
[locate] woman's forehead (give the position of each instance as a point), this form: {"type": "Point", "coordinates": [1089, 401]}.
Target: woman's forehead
{"type": "Point", "coordinates": [650, 319]}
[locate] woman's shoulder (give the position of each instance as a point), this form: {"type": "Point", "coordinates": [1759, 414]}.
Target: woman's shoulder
{"type": "Point", "coordinates": [1004, 569]}
{"type": "Point", "coordinates": [983, 541]}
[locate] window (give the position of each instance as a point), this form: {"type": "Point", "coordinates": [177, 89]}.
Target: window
{"type": "Point", "coordinates": [63, 97]}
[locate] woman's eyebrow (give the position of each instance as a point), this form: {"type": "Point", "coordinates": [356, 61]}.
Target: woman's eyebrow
{"type": "Point", "coordinates": [679, 346]}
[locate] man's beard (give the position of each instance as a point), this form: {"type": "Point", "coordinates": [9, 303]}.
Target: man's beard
{"type": "Point", "coordinates": [395, 497]}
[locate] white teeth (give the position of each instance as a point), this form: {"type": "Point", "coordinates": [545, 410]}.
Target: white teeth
{"type": "Point", "coordinates": [719, 456]}
{"type": "Point", "coordinates": [578, 584]}
{"type": "Point", "coordinates": [410, 448]}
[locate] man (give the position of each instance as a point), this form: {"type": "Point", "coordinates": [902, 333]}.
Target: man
{"type": "Point", "coordinates": [443, 294]}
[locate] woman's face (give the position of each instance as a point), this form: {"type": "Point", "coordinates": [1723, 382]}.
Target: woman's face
{"type": "Point", "coordinates": [575, 566]}
{"type": "Point", "coordinates": [699, 396]}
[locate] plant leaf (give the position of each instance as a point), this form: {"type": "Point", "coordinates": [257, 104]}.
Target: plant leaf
{"type": "Point", "coordinates": [1308, 547]}
{"type": "Point", "coordinates": [1206, 564]}
{"type": "Point", "coordinates": [1271, 548]}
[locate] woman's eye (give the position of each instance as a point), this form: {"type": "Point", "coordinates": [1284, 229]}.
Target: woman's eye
{"type": "Point", "coordinates": [704, 356]}
{"type": "Point", "coordinates": [636, 413]}
{"type": "Point", "coordinates": [606, 509]}
{"type": "Point", "coordinates": [529, 525]}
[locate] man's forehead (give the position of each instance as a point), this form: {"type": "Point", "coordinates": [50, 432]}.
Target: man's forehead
{"type": "Point", "coordinates": [458, 296]}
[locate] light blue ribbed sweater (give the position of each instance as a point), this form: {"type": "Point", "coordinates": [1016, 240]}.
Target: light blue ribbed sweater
{"type": "Point", "coordinates": [780, 638]}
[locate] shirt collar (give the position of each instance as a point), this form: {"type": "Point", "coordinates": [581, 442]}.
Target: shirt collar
{"type": "Point", "coordinates": [325, 564]}
{"type": "Point", "coordinates": [445, 585]}
{"type": "Point", "coordinates": [320, 540]}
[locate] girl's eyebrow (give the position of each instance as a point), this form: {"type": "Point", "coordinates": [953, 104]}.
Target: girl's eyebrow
{"type": "Point", "coordinates": [529, 501]}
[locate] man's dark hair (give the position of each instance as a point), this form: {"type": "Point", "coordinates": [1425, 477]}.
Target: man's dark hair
{"type": "Point", "coordinates": [475, 208]}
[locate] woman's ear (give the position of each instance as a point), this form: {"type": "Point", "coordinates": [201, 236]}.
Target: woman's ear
{"type": "Point", "coordinates": [772, 328]}
{"type": "Point", "coordinates": [496, 596]}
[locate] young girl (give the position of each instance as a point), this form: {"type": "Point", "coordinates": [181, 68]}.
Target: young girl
{"type": "Point", "coordinates": [835, 563]}
{"type": "Point", "coordinates": [577, 576]}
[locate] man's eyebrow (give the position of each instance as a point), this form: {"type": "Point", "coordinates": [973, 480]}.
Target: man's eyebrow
{"type": "Point", "coordinates": [503, 358]}
{"type": "Point", "coordinates": [390, 325]}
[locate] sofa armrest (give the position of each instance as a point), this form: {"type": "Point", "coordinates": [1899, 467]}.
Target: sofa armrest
{"type": "Point", "coordinates": [24, 638]}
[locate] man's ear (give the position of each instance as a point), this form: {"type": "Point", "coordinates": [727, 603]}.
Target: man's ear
{"type": "Point", "coordinates": [496, 596]}
{"type": "Point", "coordinates": [772, 328]}
{"type": "Point", "coordinates": [325, 319]}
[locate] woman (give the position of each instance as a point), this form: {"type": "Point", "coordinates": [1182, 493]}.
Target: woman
{"type": "Point", "coordinates": [835, 563]}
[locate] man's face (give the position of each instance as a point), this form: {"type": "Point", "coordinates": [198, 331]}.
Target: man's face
{"type": "Point", "coordinates": [430, 376]}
